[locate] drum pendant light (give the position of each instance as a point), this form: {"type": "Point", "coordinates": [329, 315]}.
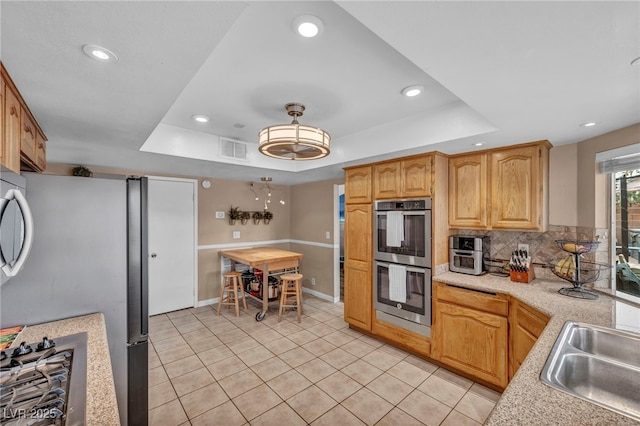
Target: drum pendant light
{"type": "Point", "coordinates": [294, 141]}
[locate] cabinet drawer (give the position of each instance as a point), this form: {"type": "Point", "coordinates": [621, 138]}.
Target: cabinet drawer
{"type": "Point", "coordinates": [531, 320]}
{"type": "Point", "coordinates": [488, 302]}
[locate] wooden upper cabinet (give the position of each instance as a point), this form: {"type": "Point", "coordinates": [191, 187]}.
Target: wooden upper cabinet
{"type": "Point", "coordinates": [357, 185]}
{"type": "Point", "coordinates": [23, 143]}
{"type": "Point", "coordinates": [408, 178]}
{"type": "Point", "coordinates": [386, 181]}
{"type": "Point", "coordinates": [12, 126]}
{"type": "Point", "coordinates": [500, 189]}
{"type": "Point", "coordinates": [415, 177]}
{"type": "Point", "coordinates": [519, 180]}
{"type": "Point", "coordinates": [468, 191]}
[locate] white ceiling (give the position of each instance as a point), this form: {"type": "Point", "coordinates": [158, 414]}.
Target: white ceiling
{"type": "Point", "coordinates": [497, 72]}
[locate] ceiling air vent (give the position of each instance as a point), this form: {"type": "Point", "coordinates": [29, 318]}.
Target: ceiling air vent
{"type": "Point", "coordinates": [233, 149]}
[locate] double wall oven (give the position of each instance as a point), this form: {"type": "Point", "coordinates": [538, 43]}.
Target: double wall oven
{"type": "Point", "coordinates": [402, 267]}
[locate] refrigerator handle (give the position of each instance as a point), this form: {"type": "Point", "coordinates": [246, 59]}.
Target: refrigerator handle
{"type": "Point", "coordinates": [137, 264]}
{"type": "Point", "coordinates": [144, 254]}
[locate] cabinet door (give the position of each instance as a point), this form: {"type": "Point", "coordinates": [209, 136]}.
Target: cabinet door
{"type": "Point", "coordinates": [416, 177]}
{"type": "Point", "coordinates": [2, 88]}
{"type": "Point", "coordinates": [472, 341]}
{"type": "Point", "coordinates": [357, 269]}
{"type": "Point", "coordinates": [41, 152]}
{"type": "Point", "coordinates": [517, 188]}
{"type": "Point", "coordinates": [357, 185]}
{"type": "Point", "coordinates": [11, 150]}
{"type": "Point", "coordinates": [27, 137]}
{"type": "Point", "coordinates": [468, 191]}
{"type": "Point", "coordinates": [526, 325]}
{"type": "Point", "coordinates": [386, 182]}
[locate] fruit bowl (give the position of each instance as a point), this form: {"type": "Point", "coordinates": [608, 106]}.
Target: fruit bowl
{"type": "Point", "coordinates": [577, 247]}
{"type": "Point", "coordinates": [586, 272]}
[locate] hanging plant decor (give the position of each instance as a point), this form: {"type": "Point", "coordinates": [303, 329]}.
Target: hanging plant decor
{"type": "Point", "coordinates": [267, 216]}
{"type": "Point", "coordinates": [257, 217]}
{"type": "Point", "coordinates": [244, 217]}
{"type": "Point", "coordinates": [81, 171]}
{"type": "Point", "coordinates": [234, 214]}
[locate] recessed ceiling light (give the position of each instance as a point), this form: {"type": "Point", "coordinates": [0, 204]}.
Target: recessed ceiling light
{"type": "Point", "coordinates": [636, 61]}
{"type": "Point", "coordinates": [200, 118]}
{"type": "Point", "coordinates": [412, 91]}
{"type": "Point", "coordinates": [478, 144]}
{"type": "Point", "coordinates": [308, 25]}
{"type": "Point", "coordinates": [99, 53]}
{"type": "Point", "coordinates": [589, 124]}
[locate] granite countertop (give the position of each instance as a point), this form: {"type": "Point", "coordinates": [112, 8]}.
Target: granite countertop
{"type": "Point", "coordinates": [102, 406]}
{"type": "Point", "coordinates": [527, 400]}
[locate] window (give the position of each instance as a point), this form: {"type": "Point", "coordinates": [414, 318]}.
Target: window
{"type": "Point", "coordinates": [624, 171]}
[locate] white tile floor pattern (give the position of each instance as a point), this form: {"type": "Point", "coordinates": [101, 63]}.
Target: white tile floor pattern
{"type": "Point", "coordinates": [206, 369]}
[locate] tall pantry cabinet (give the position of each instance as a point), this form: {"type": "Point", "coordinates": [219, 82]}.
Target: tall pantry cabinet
{"type": "Point", "coordinates": [358, 250]}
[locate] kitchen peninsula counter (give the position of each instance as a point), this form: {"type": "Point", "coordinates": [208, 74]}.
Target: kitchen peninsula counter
{"type": "Point", "coordinates": [527, 400]}
{"type": "Point", "coordinates": [101, 403]}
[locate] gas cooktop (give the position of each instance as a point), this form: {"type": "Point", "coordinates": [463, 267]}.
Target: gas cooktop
{"type": "Point", "coordinates": [44, 383]}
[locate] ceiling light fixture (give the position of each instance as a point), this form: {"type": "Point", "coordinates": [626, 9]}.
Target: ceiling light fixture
{"type": "Point", "coordinates": [200, 118]}
{"type": "Point", "coordinates": [308, 26]}
{"type": "Point", "coordinates": [266, 185]}
{"type": "Point", "coordinates": [478, 144]}
{"type": "Point", "coordinates": [294, 141]}
{"type": "Point", "coordinates": [590, 124]}
{"type": "Point", "coordinates": [412, 91]}
{"type": "Point", "coordinates": [99, 53]}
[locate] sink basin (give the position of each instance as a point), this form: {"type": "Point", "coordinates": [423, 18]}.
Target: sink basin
{"type": "Point", "coordinates": [597, 364]}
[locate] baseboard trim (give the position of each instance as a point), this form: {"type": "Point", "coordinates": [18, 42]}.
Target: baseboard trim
{"type": "Point", "coordinates": [320, 295]}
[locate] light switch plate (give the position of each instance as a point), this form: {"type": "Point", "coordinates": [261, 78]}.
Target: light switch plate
{"type": "Point", "coordinates": [219, 215]}
{"type": "Point", "coordinates": [327, 235]}
{"type": "Point", "coordinates": [236, 235]}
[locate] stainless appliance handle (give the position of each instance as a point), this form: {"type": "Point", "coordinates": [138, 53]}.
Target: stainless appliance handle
{"type": "Point", "coordinates": [463, 253]}
{"type": "Point", "coordinates": [409, 268]}
{"type": "Point", "coordinates": [404, 212]}
{"type": "Point", "coordinates": [14, 194]}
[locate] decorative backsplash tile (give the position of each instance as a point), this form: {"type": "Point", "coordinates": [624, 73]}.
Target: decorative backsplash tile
{"type": "Point", "coordinates": [544, 249]}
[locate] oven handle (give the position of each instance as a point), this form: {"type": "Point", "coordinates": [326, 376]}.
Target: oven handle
{"type": "Point", "coordinates": [404, 212]}
{"type": "Point", "coordinates": [463, 253]}
{"type": "Point", "coordinates": [409, 268]}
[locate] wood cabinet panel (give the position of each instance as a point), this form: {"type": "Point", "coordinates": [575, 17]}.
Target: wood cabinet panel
{"type": "Point", "coordinates": [358, 300]}
{"type": "Point", "coordinates": [526, 325]}
{"type": "Point", "coordinates": [41, 151]}
{"type": "Point", "coordinates": [2, 97]}
{"type": "Point", "coordinates": [468, 191]}
{"type": "Point", "coordinates": [11, 150]}
{"type": "Point", "coordinates": [473, 341]}
{"type": "Point", "coordinates": [357, 186]}
{"type": "Point", "coordinates": [517, 188]}
{"type": "Point", "coordinates": [413, 342]}
{"type": "Point", "coordinates": [470, 332]}
{"type": "Point", "coordinates": [415, 177]}
{"type": "Point", "coordinates": [386, 182]}
{"type": "Point", "coordinates": [27, 137]}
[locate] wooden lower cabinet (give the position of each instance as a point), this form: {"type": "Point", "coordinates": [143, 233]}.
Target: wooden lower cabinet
{"type": "Point", "coordinates": [470, 332]}
{"type": "Point", "coordinates": [526, 325]}
{"type": "Point", "coordinates": [357, 297]}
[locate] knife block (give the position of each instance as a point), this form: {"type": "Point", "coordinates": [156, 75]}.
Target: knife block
{"type": "Point", "coordinates": [523, 277]}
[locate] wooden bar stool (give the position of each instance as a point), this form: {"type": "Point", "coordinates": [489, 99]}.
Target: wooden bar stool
{"type": "Point", "coordinates": [231, 284]}
{"type": "Point", "coordinates": [291, 296]}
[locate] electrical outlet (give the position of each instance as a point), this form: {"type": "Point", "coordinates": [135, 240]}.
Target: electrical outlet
{"type": "Point", "coordinates": [219, 215]}
{"type": "Point", "coordinates": [327, 235]}
{"type": "Point", "coordinates": [236, 235]}
{"type": "Point", "coordinates": [313, 281]}
{"type": "Point", "coordinates": [524, 247]}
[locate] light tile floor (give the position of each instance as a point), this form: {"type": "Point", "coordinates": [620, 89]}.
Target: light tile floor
{"type": "Point", "coordinates": [206, 369]}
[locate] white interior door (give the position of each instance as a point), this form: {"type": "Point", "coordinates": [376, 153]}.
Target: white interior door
{"type": "Point", "coordinates": [172, 227]}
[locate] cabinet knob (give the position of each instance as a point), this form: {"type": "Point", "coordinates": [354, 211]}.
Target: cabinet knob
{"type": "Point", "coordinates": [154, 255]}
{"type": "Point", "coordinates": [28, 129]}
{"type": "Point", "coordinates": [13, 111]}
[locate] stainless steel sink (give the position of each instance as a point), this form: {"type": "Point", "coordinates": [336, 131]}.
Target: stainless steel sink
{"type": "Point", "coordinates": [598, 364]}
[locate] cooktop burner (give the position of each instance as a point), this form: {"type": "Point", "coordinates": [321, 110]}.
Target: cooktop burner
{"type": "Point", "coordinates": [38, 385]}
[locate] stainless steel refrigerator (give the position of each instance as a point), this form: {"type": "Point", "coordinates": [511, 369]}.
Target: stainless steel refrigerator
{"type": "Point", "coordinates": [89, 254]}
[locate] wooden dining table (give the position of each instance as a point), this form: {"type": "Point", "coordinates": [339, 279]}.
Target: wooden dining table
{"type": "Point", "coordinates": [267, 259]}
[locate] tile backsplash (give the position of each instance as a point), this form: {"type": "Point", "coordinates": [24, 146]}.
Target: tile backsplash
{"type": "Point", "coordinates": [543, 247]}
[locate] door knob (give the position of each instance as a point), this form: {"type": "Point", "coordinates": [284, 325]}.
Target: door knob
{"type": "Point", "coordinates": [154, 255]}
